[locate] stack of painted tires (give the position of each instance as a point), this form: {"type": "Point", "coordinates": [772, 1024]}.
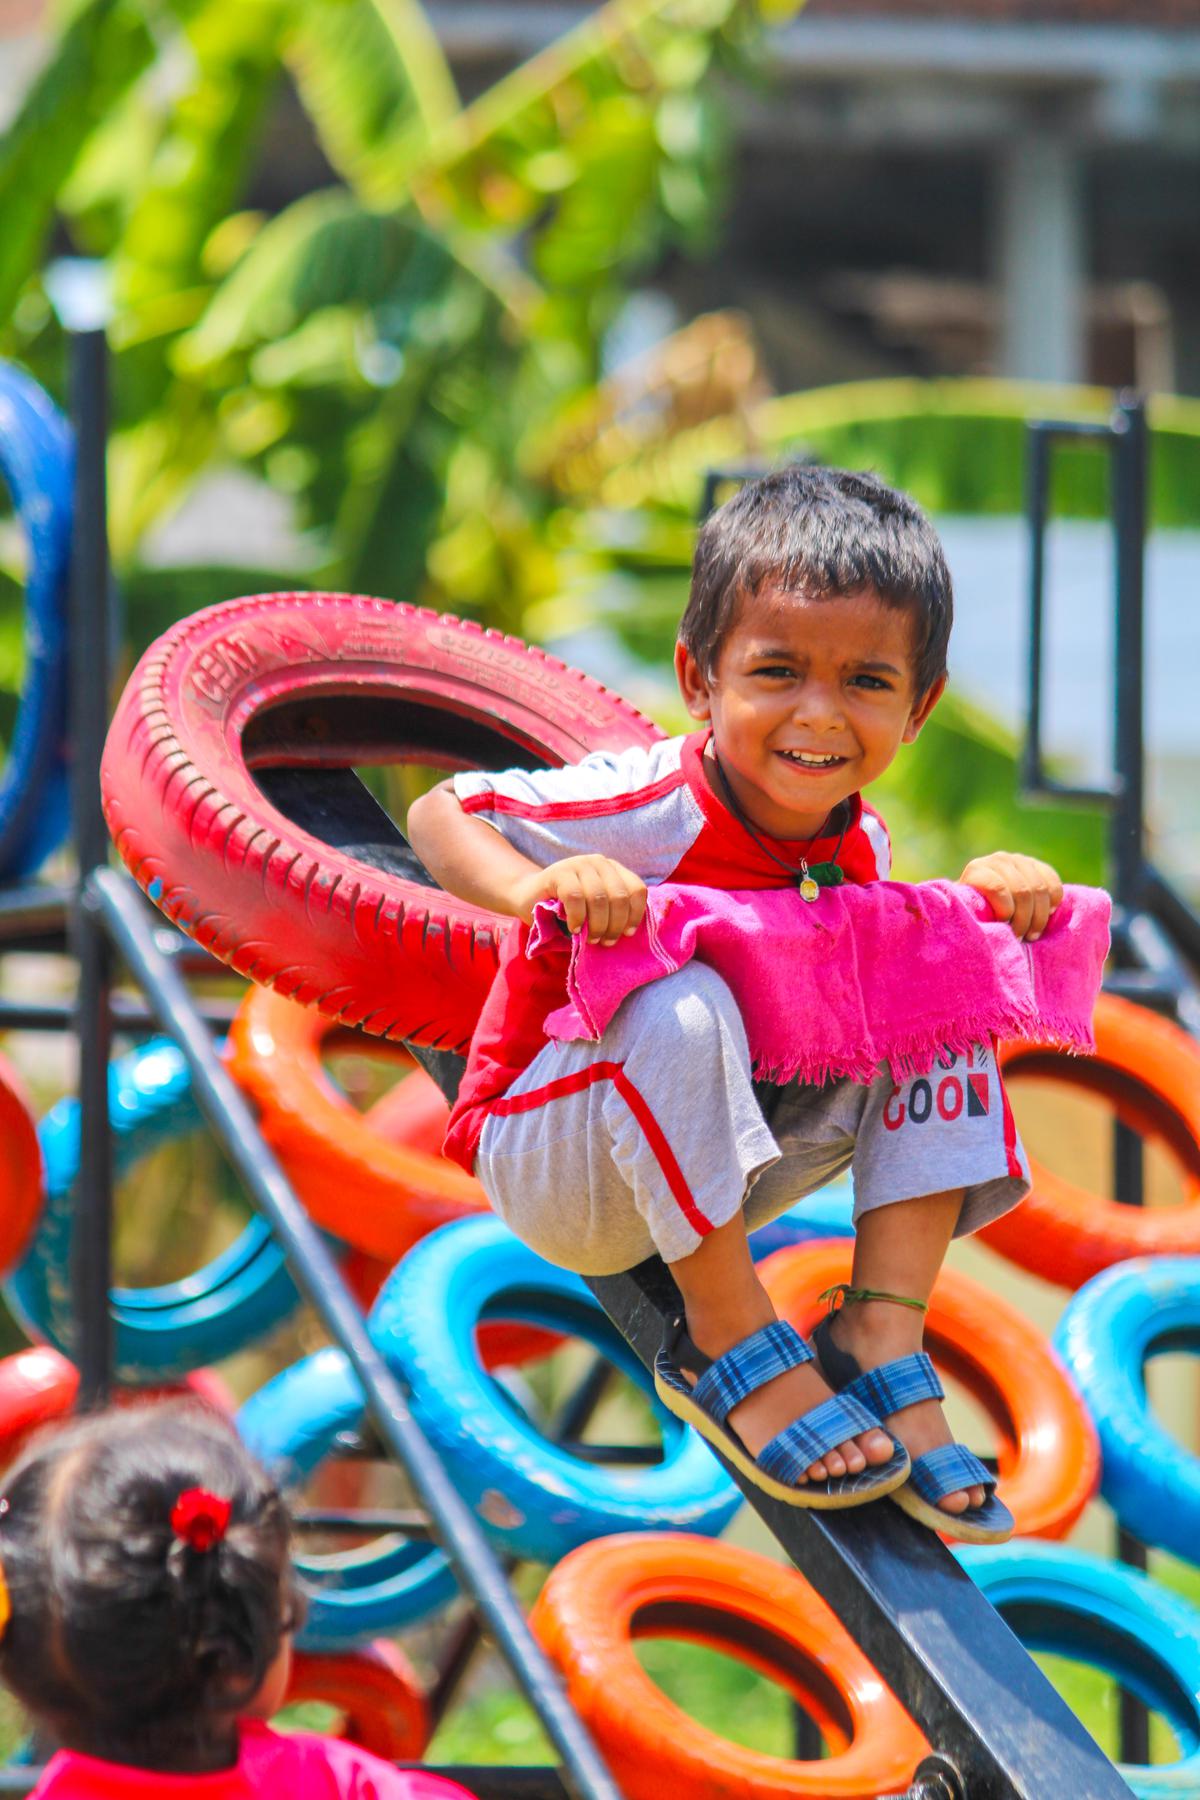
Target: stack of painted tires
{"type": "Point", "coordinates": [228, 786]}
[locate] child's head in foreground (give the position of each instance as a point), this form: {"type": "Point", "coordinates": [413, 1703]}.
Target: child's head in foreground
{"type": "Point", "coordinates": [145, 1557]}
{"type": "Point", "coordinates": [814, 639]}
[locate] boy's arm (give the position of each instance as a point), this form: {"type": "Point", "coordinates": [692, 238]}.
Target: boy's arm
{"type": "Point", "coordinates": [1020, 889]}
{"type": "Point", "coordinates": [470, 858]}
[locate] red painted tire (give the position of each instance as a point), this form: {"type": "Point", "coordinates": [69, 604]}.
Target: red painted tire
{"type": "Point", "coordinates": [330, 681]}
{"type": "Point", "coordinates": [1046, 1444]}
{"type": "Point", "coordinates": [39, 1385]}
{"type": "Point", "coordinates": [1148, 1070]}
{"type": "Point", "coordinates": [22, 1188]}
{"type": "Point", "coordinates": [604, 1595]}
{"type": "Point", "coordinates": [377, 1692]}
{"type": "Point", "coordinates": [371, 1190]}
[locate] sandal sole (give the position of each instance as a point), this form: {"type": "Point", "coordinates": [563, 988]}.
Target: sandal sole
{"type": "Point", "coordinates": [952, 1525]}
{"type": "Point", "coordinates": [811, 1497]}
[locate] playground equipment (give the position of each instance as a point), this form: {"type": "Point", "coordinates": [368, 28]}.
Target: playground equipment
{"type": "Point", "coordinates": [1148, 1070]}
{"type": "Point", "coordinates": [893, 1585]}
{"type": "Point", "coordinates": [163, 1332]}
{"type": "Point", "coordinates": [604, 1596]}
{"type": "Point", "coordinates": [228, 786]}
{"type": "Point", "coordinates": [37, 466]}
{"type": "Point", "coordinates": [535, 1499]}
{"type": "Point", "coordinates": [377, 1692]}
{"type": "Point", "coordinates": [370, 1186]}
{"type": "Point", "coordinates": [1108, 1333]}
{"type": "Point", "coordinates": [1072, 1604]}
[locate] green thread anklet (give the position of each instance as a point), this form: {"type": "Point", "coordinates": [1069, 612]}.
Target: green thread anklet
{"type": "Point", "coordinates": [838, 1295]}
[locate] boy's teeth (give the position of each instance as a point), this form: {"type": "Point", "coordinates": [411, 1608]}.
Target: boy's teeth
{"type": "Point", "coordinates": [805, 757]}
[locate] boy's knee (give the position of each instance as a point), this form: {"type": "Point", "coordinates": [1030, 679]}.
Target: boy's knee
{"type": "Point", "coordinates": [684, 1010]}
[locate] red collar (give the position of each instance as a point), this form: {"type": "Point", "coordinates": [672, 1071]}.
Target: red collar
{"type": "Point", "coordinates": [718, 816]}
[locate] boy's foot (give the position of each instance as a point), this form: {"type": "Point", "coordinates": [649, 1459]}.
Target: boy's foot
{"type": "Point", "coordinates": [778, 1403]}
{"type": "Point", "coordinates": [876, 1332]}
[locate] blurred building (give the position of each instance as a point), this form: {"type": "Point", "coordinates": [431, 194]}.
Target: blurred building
{"type": "Point", "coordinates": [1001, 186]}
{"type": "Point", "coordinates": [924, 186]}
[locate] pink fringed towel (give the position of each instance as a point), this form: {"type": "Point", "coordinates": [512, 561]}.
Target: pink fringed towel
{"type": "Point", "coordinates": [889, 973]}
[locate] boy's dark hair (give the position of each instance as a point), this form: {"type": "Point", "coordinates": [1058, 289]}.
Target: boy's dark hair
{"type": "Point", "coordinates": [126, 1643]}
{"type": "Point", "coordinates": [823, 533]}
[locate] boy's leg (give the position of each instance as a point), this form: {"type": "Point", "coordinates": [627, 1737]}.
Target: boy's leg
{"type": "Point", "coordinates": [951, 1134]}
{"type": "Point", "coordinates": [899, 1250]}
{"type": "Point", "coordinates": [601, 1154]}
{"type": "Point", "coordinates": [725, 1301]}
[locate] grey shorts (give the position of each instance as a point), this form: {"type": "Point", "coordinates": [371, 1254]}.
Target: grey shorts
{"type": "Point", "coordinates": [601, 1154]}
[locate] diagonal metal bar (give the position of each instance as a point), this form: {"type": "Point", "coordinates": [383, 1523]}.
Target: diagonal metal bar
{"type": "Point", "coordinates": [978, 1696]}
{"type": "Point", "coordinates": [132, 932]}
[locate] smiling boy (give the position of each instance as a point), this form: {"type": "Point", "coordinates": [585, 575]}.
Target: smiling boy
{"type": "Point", "coordinates": [812, 648]}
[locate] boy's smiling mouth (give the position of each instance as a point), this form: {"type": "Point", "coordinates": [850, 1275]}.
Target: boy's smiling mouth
{"type": "Point", "coordinates": [811, 759]}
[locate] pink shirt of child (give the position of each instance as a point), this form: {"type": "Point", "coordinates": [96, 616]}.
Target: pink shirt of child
{"type": "Point", "coordinates": [270, 1766]}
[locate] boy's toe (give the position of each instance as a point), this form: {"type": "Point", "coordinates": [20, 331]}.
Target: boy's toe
{"type": "Point", "coordinates": [835, 1464]}
{"type": "Point", "coordinates": [853, 1457]}
{"type": "Point", "coordinates": [877, 1447]}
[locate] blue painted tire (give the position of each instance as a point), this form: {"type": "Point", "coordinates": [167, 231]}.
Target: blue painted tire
{"type": "Point", "coordinates": [532, 1498]}
{"type": "Point", "coordinates": [1072, 1604]}
{"type": "Point", "coordinates": [159, 1333]}
{"type": "Point", "coordinates": [1111, 1327]}
{"type": "Point", "coordinates": [829, 1212]}
{"type": "Point", "coordinates": [37, 466]}
{"type": "Point", "coordinates": [291, 1424]}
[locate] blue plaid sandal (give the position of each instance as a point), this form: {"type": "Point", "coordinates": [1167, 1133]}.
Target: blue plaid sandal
{"type": "Point", "coordinates": [725, 1381]}
{"type": "Point", "coordinates": [946, 1470]}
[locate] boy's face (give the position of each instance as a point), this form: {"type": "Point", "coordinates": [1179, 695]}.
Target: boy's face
{"type": "Point", "coordinates": [809, 700]}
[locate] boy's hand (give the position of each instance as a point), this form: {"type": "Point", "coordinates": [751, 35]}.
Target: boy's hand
{"type": "Point", "coordinates": [594, 891]}
{"type": "Point", "coordinates": [1020, 888]}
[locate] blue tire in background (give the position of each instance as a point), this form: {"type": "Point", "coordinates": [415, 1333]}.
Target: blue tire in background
{"type": "Point", "coordinates": [827, 1213]}
{"type": "Point", "coordinates": [1111, 1328]}
{"type": "Point", "coordinates": [1072, 1604]}
{"type": "Point", "coordinates": [159, 1333]}
{"type": "Point", "coordinates": [532, 1498]}
{"type": "Point", "coordinates": [37, 466]}
{"type": "Point", "coordinates": [291, 1424]}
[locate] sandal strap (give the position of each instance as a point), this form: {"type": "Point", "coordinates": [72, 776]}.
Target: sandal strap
{"type": "Point", "coordinates": [807, 1439]}
{"type": "Point", "coordinates": [740, 1372]}
{"type": "Point", "coordinates": [896, 1384]}
{"type": "Point", "coordinates": [947, 1470]}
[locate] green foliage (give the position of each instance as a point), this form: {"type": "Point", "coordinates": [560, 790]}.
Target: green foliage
{"type": "Point", "coordinates": [958, 446]}
{"type": "Point", "coordinates": [101, 52]}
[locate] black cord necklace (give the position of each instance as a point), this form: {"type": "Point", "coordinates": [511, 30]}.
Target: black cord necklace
{"type": "Point", "coordinates": [810, 880]}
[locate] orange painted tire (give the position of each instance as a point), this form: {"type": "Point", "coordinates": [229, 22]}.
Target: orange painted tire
{"type": "Point", "coordinates": [377, 1692]}
{"type": "Point", "coordinates": [1046, 1444]}
{"type": "Point", "coordinates": [377, 1179]}
{"type": "Point", "coordinates": [1148, 1069]}
{"type": "Point", "coordinates": [22, 1186]}
{"type": "Point", "coordinates": [372, 1191]}
{"type": "Point", "coordinates": [645, 1584]}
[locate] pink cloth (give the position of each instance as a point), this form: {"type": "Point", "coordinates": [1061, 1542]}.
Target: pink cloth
{"type": "Point", "coordinates": [889, 973]}
{"type": "Point", "coordinates": [270, 1766]}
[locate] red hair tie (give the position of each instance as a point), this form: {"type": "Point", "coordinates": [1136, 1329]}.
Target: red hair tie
{"type": "Point", "coordinates": [200, 1519]}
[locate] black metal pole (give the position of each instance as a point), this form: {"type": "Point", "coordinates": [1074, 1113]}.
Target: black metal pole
{"type": "Point", "coordinates": [1127, 850]}
{"type": "Point", "coordinates": [88, 660]}
{"type": "Point", "coordinates": [1127, 840]}
{"type": "Point", "coordinates": [318, 1277]}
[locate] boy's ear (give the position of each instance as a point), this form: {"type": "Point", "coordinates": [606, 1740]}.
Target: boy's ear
{"type": "Point", "coordinates": [693, 684]}
{"type": "Point", "coordinates": [922, 710]}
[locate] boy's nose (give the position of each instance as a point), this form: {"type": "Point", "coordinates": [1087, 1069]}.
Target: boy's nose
{"type": "Point", "coordinates": [818, 705]}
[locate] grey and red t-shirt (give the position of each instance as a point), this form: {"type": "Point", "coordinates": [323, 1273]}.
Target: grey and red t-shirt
{"type": "Point", "coordinates": [652, 809]}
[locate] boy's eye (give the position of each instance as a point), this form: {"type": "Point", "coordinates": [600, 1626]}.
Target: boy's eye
{"type": "Point", "coordinates": [870, 681]}
{"type": "Point", "coordinates": [776, 671]}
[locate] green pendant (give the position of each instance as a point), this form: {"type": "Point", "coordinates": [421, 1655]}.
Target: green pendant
{"type": "Point", "coordinates": [826, 874]}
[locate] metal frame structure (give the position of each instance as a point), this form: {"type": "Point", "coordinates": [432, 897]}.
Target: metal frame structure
{"type": "Point", "coordinates": [1155, 932]}
{"type": "Point", "coordinates": [997, 1725]}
